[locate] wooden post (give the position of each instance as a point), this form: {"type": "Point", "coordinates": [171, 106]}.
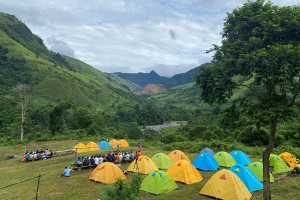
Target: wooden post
{"type": "Point", "coordinates": [37, 188]}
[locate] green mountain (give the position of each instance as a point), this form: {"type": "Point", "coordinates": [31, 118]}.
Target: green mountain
{"type": "Point", "coordinates": [53, 77]}
{"type": "Point", "coordinates": [138, 80]}
{"type": "Point", "coordinates": [183, 78]}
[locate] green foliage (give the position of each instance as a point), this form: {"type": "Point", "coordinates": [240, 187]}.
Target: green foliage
{"type": "Point", "coordinates": [121, 191]}
{"type": "Point", "coordinates": [81, 119]}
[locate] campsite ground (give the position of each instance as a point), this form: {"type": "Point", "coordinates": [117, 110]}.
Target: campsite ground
{"type": "Point", "coordinates": [52, 186]}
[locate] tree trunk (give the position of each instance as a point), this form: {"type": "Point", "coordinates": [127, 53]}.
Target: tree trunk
{"type": "Point", "coordinates": [22, 121]}
{"type": "Point", "coordinates": [266, 155]}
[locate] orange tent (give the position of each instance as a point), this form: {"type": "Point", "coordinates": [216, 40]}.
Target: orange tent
{"type": "Point", "coordinates": [290, 159]}
{"type": "Point", "coordinates": [92, 146]}
{"type": "Point", "coordinates": [123, 143]}
{"type": "Point", "coordinates": [226, 185]}
{"type": "Point", "coordinates": [177, 155]}
{"type": "Point", "coordinates": [144, 165]}
{"type": "Point", "coordinates": [107, 173]}
{"type": "Point", "coordinates": [114, 143]}
{"type": "Point", "coordinates": [183, 171]}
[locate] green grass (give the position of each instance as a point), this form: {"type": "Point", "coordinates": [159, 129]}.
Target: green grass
{"type": "Point", "coordinates": [52, 186]}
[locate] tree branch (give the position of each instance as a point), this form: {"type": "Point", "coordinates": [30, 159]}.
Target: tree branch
{"type": "Point", "coordinates": [292, 102]}
{"type": "Point", "coordinates": [252, 89]}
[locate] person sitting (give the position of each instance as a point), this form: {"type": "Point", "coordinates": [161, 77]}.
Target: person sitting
{"type": "Point", "coordinates": [86, 162]}
{"type": "Point", "coordinates": [120, 158]}
{"type": "Point", "coordinates": [100, 160]}
{"type": "Point", "coordinates": [136, 155]}
{"type": "Point", "coordinates": [132, 156]}
{"type": "Point", "coordinates": [27, 157]}
{"type": "Point", "coordinates": [117, 157]}
{"type": "Point", "coordinates": [113, 158]}
{"type": "Point", "coordinates": [125, 153]}
{"type": "Point", "coordinates": [139, 153]}
{"type": "Point", "coordinates": [35, 156]}
{"type": "Point", "coordinates": [40, 155]}
{"type": "Point", "coordinates": [96, 161]}
{"type": "Point", "coordinates": [51, 153]}
{"type": "Point", "coordinates": [127, 157]}
{"type": "Point", "coordinates": [66, 172]}
{"type": "Point", "coordinates": [92, 160]}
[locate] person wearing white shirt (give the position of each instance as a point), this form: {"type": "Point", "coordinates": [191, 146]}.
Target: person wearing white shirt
{"type": "Point", "coordinates": [96, 161]}
{"type": "Point", "coordinates": [101, 160]}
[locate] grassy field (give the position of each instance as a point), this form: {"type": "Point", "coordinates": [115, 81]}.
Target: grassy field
{"type": "Point", "coordinates": [52, 186]}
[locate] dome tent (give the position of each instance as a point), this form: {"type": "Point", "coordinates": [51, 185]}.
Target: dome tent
{"type": "Point", "coordinates": [114, 143]}
{"type": "Point", "coordinates": [226, 185]}
{"type": "Point", "coordinates": [177, 155]}
{"type": "Point", "coordinates": [92, 146]}
{"type": "Point", "coordinates": [183, 171]}
{"type": "Point", "coordinates": [107, 173]}
{"type": "Point", "coordinates": [279, 165]}
{"type": "Point", "coordinates": [80, 148]}
{"type": "Point", "coordinates": [123, 143]}
{"type": "Point", "coordinates": [247, 176]}
{"type": "Point", "coordinates": [206, 162]}
{"type": "Point", "coordinates": [224, 159]}
{"type": "Point", "coordinates": [257, 169]}
{"type": "Point", "coordinates": [290, 159]}
{"type": "Point", "coordinates": [162, 161]}
{"type": "Point", "coordinates": [104, 145]}
{"type": "Point", "coordinates": [240, 157]}
{"type": "Point", "coordinates": [143, 165]}
{"type": "Point", "coordinates": [158, 182]}
{"type": "Point", "coordinates": [207, 150]}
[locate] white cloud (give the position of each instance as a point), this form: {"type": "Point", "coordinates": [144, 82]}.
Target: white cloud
{"type": "Point", "coordinates": [129, 35]}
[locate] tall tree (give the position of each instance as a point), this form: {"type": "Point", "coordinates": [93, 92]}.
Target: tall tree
{"type": "Point", "coordinates": [260, 42]}
{"type": "Point", "coordinates": [21, 95]}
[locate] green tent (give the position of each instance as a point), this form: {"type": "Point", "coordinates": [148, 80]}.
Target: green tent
{"type": "Point", "coordinates": [162, 161]}
{"type": "Point", "coordinates": [279, 165]}
{"type": "Point", "coordinates": [224, 159]}
{"type": "Point", "coordinates": [158, 182]}
{"type": "Point", "coordinates": [257, 169]}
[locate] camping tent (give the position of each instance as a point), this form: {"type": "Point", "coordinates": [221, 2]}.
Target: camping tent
{"type": "Point", "coordinates": [257, 169]}
{"type": "Point", "coordinates": [207, 150]}
{"type": "Point", "coordinates": [158, 182]}
{"type": "Point", "coordinates": [123, 143]}
{"type": "Point", "coordinates": [279, 165]}
{"type": "Point", "coordinates": [226, 185]}
{"type": "Point", "coordinates": [178, 155]}
{"type": "Point", "coordinates": [247, 176]}
{"type": "Point", "coordinates": [107, 173]}
{"type": "Point", "coordinates": [224, 159]}
{"type": "Point", "coordinates": [240, 157]}
{"type": "Point", "coordinates": [183, 171]}
{"type": "Point", "coordinates": [162, 161]}
{"type": "Point", "coordinates": [104, 145]}
{"type": "Point", "coordinates": [92, 146]}
{"type": "Point", "coordinates": [143, 165]}
{"type": "Point", "coordinates": [290, 159]}
{"type": "Point", "coordinates": [205, 162]}
{"type": "Point", "coordinates": [80, 148]}
{"type": "Point", "coordinates": [114, 143]}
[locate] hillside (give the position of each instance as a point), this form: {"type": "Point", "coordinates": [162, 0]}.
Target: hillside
{"type": "Point", "coordinates": [137, 80]}
{"type": "Point", "coordinates": [150, 89]}
{"type": "Point", "coordinates": [53, 77]}
{"type": "Point", "coordinates": [183, 78]}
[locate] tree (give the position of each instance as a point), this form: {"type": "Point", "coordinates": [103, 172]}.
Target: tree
{"type": "Point", "coordinates": [21, 95]}
{"type": "Point", "coordinates": [56, 120]}
{"type": "Point", "coordinates": [260, 42]}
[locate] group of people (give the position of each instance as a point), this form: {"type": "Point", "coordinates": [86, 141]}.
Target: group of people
{"type": "Point", "coordinates": [36, 155]}
{"type": "Point", "coordinates": [115, 156]}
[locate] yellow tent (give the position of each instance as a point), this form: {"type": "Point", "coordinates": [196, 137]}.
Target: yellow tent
{"type": "Point", "coordinates": [143, 165]}
{"type": "Point", "coordinates": [177, 155]}
{"type": "Point", "coordinates": [114, 143]}
{"type": "Point", "coordinates": [290, 159]}
{"type": "Point", "coordinates": [107, 173]}
{"type": "Point", "coordinates": [226, 185]}
{"type": "Point", "coordinates": [183, 171]}
{"type": "Point", "coordinates": [81, 148]}
{"type": "Point", "coordinates": [123, 143]}
{"type": "Point", "coordinates": [92, 146]}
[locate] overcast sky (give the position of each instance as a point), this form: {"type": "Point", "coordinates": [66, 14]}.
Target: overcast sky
{"type": "Point", "coordinates": [168, 36]}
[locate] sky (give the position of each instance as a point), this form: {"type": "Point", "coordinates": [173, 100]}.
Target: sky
{"type": "Point", "coordinates": [167, 36]}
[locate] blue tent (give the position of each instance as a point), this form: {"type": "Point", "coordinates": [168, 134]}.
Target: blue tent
{"type": "Point", "coordinates": [205, 162]}
{"type": "Point", "coordinates": [207, 150]}
{"type": "Point", "coordinates": [240, 157]}
{"type": "Point", "coordinates": [104, 145]}
{"type": "Point", "coordinates": [248, 177]}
